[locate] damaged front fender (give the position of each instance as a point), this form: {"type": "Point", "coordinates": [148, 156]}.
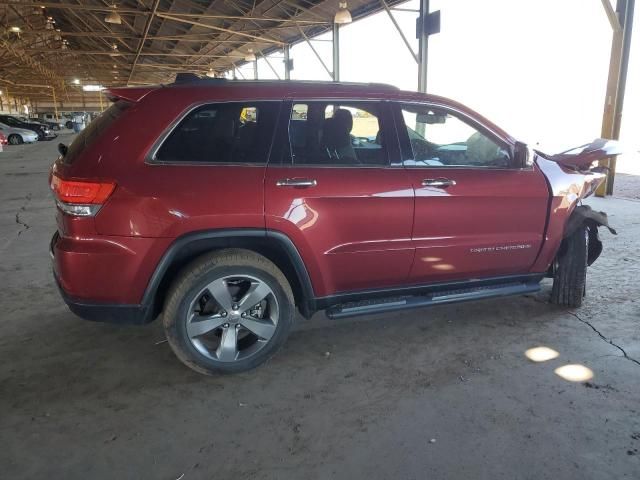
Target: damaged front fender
{"type": "Point", "coordinates": [585, 215]}
{"type": "Point", "coordinates": [568, 185]}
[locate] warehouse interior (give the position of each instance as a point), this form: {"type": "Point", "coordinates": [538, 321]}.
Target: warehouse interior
{"type": "Point", "coordinates": [473, 390]}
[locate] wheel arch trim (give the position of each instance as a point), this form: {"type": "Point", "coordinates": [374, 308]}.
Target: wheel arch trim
{"type": "Point", "coordinates": [223, 239]}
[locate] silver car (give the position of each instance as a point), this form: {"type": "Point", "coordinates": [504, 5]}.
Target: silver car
{"type": "Point", "coordinates": [17, 136]}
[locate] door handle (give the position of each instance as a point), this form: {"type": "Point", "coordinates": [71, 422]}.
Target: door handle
{"type": "Point", "coordinates": [438, 182]}
{"type": "Point", "coordinates": [296, 182]}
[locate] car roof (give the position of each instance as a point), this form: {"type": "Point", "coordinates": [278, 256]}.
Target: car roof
{"type": "Point", "coordinates": [191, 88]}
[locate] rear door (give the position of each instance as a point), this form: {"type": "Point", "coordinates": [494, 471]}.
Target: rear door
{"type": "Point", "coordinates": [477, 213]}
{"type": "Point", "coordinates": [331, 188]}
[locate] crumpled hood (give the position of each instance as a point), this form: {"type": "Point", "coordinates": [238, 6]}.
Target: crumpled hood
{"type": "Point", "coordinates": [581, 158]}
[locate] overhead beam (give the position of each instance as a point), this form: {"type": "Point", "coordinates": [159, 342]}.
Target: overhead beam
{"type": "Point", "coordinates": [220, 29]}
{"type": "Point", "coordinates": [145, 32]}
{"type": "Point", "coordinates": [402, 35]}
{"type": "Point", "coordinates": [124, 54]}
{"type": "Point", "coordinates": [612, 16]}
{"type": "Point", "coordinates": [313, 49]}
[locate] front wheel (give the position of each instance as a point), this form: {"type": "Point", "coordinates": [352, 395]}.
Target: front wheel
{"type": "Point", "coordinates": [570, 279]}
{"type": "Point", "coordinates": [228, 311]}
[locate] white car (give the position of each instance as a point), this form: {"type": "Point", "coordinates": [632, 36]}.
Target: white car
{"type": "Point", "coordinates": [17, 136]}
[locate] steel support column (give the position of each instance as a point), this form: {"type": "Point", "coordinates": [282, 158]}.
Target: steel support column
{"type": "Point", "coordinates": [55, 104]}
{"type": "Point", "coordinates": [255, 69]}
{"type": "Point", "coordinates": [423, 41]}
{"type": "Point", "coordinates": [287, 62]}
{"type": "Point", "coordinates": [336, 52]}
{"type": "Point", "coordinates": [622, 26]}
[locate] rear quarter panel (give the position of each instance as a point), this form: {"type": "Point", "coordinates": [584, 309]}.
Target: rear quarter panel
{"type": "Point", "coordinates": [160, 200]}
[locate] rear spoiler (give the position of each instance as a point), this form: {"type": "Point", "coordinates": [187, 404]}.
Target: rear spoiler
{"type": "Point", "coordinates": [130, 94]}
{"type": "Point", "coordinates": [582, 157]}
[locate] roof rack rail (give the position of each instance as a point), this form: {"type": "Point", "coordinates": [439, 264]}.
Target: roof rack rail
{"type": "Point", "coordinates": [188, 77]}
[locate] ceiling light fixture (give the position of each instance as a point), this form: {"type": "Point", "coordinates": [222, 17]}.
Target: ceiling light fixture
{"type": "Point", "coordinates": [92, 88]}
{"type": "Point", "coordinates": [76, 81]}
{"type": "Point", "coordinates": [211, 73]}
{"type": "Point", "coordinates": [15, 29]}
{"type": "Point", "coordinates": [250, 57]}
{"type": "Point", "coordinates": [113, 17]}
{"type": "Point", "coordinates": [342, 15]}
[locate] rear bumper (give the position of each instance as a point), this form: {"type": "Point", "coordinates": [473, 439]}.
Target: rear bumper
{"type": "Point", "coordinates": [95, 284]}
{"type": "Point", "coordinates": [105, 312]}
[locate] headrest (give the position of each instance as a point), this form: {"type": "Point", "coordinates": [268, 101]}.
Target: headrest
{"type": "Point", "coordinates": [343, 120]}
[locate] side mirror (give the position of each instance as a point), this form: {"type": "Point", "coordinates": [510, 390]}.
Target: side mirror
{"type": "Point", "coordinates": [62, 149]}
{"type": "Point", "coordinates": [521, 155]}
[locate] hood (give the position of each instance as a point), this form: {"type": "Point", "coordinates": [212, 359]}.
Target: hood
{"type": "Point", "coordinates": [581, 158]}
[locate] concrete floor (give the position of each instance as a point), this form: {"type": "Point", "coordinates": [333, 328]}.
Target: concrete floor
{"type": "Point", "coordinates": [444, 392]}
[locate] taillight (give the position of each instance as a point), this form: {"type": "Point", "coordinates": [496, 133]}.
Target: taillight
{"type": "Point", "coordinates": [80, 198]}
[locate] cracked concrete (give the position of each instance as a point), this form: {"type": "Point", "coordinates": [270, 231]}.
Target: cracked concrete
{"type": "Point", "coordinates": [82, 400]}
{"type": "Point", "coordinates": [609, 341]}
{"type": "Point", "coordinates": [25, 226]}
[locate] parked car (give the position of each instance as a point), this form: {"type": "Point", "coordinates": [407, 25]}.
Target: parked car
{"type": "Point", "coordinates": [55, 123]}
{"type": "Point", "coordinates": [241, 203]}
{"type": "Point", "coordinates": [43, 132]}
{"type": "Point", "coordinates": [18, 136]}
{"type": "Point", "coordinates": [49, 134]}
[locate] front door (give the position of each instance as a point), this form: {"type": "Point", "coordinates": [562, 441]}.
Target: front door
{"type": "Point", "coordinates": [477, 214]}
{"type": "Point", "coordinates": [335, 195]}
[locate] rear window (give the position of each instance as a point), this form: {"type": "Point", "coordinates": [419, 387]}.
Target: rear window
{"type": "Point", "coordinates": [94, 129]}
{"type": "Point", "coordinates": [233, 132]}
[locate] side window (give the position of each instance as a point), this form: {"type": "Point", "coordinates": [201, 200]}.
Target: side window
{"type": "Point", "coordinates": [440, 139]}
{"type": "Point", "coordinates": [337, 134]}
{"type": "Point", "coordinates": [222, 133]}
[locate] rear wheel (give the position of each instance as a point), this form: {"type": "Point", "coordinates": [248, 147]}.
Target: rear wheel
{"type": "Point", "coordinates": [570, 279]}
{"type": "Point", "coordinates": [15, 139]}
{"type": "Point", "coordinates": [228, 312]}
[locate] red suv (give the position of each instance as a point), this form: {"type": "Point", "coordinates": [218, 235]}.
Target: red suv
{"type": "Point", "coordinates": [226, 206]}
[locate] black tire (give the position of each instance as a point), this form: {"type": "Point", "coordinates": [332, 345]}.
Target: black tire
{"type": "Point", "coordinates": [15, 139]}
{"type": "Point", "coordinates": [69, 125]}
{"type": "Point", "coordinates": [570, 279]}
{"type": "Point", "coordinates": [200, 273]}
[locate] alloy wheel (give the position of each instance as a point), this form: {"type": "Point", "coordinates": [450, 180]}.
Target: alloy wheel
{"type": "Point", "coordinates": [232, 318]}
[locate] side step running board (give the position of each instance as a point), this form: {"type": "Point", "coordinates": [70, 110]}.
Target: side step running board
{"type": "Point", "coordinates": [452, 296]}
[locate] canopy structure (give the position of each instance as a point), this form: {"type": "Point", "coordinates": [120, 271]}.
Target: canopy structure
{"type": "Point", "coordinates": [132, 42]}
